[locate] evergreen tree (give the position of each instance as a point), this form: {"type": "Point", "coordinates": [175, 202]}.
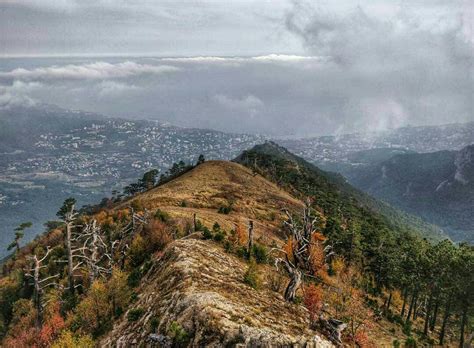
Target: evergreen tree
{"type": "Point", "coordinates": [19, 233]}
{"type": "Point", "coordinates": [200, 160]}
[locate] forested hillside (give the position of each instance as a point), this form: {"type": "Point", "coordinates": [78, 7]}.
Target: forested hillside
{"type": "Point", "coordinates": [334, 194]}
{"type": "Point", "coordinates": [437, 186]}
{"type": "Point", "coordinates": [430, 277]}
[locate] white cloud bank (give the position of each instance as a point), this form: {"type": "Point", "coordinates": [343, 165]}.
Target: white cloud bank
{"type": "Point", "coordinates": [91, 71]}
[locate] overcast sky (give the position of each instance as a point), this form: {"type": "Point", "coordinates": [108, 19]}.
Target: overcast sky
{"type": "Point", "coordinates": [278, 67]}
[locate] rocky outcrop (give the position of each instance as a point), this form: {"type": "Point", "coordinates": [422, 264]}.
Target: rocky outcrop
{"type": "Point", "coordinates": [464, 163]}
{"type": "Point", "coordinates": [199, 288]}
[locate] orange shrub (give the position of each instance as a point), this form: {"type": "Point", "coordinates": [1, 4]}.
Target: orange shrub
{"type": "Point", "coordinates": [238, 237]}
{"type": "Point", "coordinates": [313, 301]}
{"type": "Point", "coordinates": [362, 340]}
{"type": "Point", "coordinates": [317, 256]}
{"type": "Point", "coordinates": [52, 326]}
{"type": "Point", "coordinates": [288, 248]}
{"type": "Point", "coordinates": [157, 235]}
{"type": "Point", "coordinates": [241, 235]}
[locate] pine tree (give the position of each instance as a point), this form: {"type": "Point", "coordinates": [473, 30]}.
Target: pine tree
{"type": "Point", "coordinates": [19, 233]}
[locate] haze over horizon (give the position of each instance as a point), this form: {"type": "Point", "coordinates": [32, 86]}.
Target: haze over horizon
{"type": "Point", "coordinates": [282, 68]}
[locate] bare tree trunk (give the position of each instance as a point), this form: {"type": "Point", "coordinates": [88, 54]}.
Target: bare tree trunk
{"type": "Point", "coordinates": [123, 257]}
{"type": "Point", "coordinates": [94, 253]}
{"type": "Point", "coordinates": [415, 307]}
{"type": "Point", "coordinates": [412, 303]}
{"type": "Point", "coordinates": [389, 301]}
{"type": "Point", "coordinates": [70, 271]}
{"type": "Point", "coordinates": [37, 295]}
{"type": "Point", "coordinates": [463, 325]}
{"type": "Point", "coordinates": [435, 315]}
{"type": "Point", "coordinates": [445, 322]}
{"type": "Point", "coordinates": [250, 245]}
{"type": "Point", "coordinates": [293, 285]}
{"type": "Point", "coordinates": [333, 329]}
{"type": "Point", "coordinates": [133, 220]}
{"type": "Point", "coordinates": [39, 285]}
{"type": "Point", "coordinates": [405, 295]}
{"type": "Point", "coordinates": [428, 311]}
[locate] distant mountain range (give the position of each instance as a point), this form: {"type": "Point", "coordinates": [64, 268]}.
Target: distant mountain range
{"type": "Point", "coordinates": [331, 151]}
{"type": "Point", "coordinates": [426, 171]}
{"type": "Point", "coordinates": [437, 186]}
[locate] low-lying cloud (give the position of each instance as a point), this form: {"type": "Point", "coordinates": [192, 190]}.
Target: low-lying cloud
{"type": "Point", "coordinates": [91, 71]}
{"type": "Point", "coordinates": [18, 94]}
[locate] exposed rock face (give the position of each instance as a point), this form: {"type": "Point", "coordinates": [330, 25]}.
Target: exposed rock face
{"type": "Point", "coordinates": [199, 286]}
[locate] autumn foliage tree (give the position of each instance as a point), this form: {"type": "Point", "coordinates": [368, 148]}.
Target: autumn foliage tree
{"type": "Point", "coordinates": [313, 301]}
{"type": "Point", "coordinates": [347, 300]}
{"type": "Point", "coordinates": [53, 325]}
{"type": "Point", "coordinates": [94, 314]}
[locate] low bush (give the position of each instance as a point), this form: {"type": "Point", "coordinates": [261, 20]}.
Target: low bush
{"type": "Point", "coordinates": [219, 236]}
{"type": "Point", "coordinates": [178, 334]}
{"type": "Point", "coordinates": [251, 276]}
{"type": "Point", "coordinates": [407, 328]}
{"type": "Point", "coordinates": [154, 322]}
{"type": "Point", "coordinates": [241, 252]}
{"type": "Point", "coordinates": [259, 252]}
{"type": "Point", "coordinates": [135, 314]}
{"type": "Point", "coordinates": [157, 235]}
{"type": "Point", "coordinates": [161, 215]}
{"type": "Point", "coordinates": [224, 209]}
{"type": "Point", "coordinates": [227, 246]}
{"type": "Point", "coordinates": [410, 342]}
{"type": "Point", "coordinates": [206, 233]}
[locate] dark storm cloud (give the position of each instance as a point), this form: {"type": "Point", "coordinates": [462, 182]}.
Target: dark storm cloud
{"type": "Point", "coordinates": [394, 70]}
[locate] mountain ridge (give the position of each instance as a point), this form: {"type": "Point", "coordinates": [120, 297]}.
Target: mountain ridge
{"type": "Point", "coordinates": [337, 183]}
{"type": "Point", "coordinates": [437, 186]}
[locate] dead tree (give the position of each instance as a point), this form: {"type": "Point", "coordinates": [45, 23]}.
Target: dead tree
{"type": "Point", "coordinates": [250, 243]}
{"type": "Point", "coordinates": [137, 221]}
{"type": "Point", "coordinates": [76, 245]}
{"type": "Point", "coordinates": [39, 284]}
{"type": "Point", "coordinates": [122, 244]}
{"type": "Point", "coordinates": [297, 261]}
{"type": "Point", "coordinates": [69, 219]}
{"type": "Point", "coordinates": [332, 328]}
{"type": "Point", "coordinates": [94, 252]}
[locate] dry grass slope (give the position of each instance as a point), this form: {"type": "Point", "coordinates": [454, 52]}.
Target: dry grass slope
{"type": "Point", "coordinates": [216, 184]}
